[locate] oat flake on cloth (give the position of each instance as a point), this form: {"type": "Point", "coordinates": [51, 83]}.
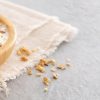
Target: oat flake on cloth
{"type": "Point", "coordinates": [34, 30]}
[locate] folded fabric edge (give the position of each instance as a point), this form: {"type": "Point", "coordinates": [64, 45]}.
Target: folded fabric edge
{"type": "Point", "coordinates": [3, 87]}
{"type": "Point", "coordinates": [73, 31]}
{"type": "Point", "coordinates": [70, 29]}
{"type": "Point", "coordinates": [67, 35]}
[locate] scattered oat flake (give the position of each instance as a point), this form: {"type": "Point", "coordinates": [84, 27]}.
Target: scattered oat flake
{"type": "Point", "coordinates": [61, 66]}
{"type": "Point", "coordinates": [19, 53]}
{"type": "Point", "coordinates": [40, 68]}
{"type": "Point", "coordinates": [68, 60]}
{"type": "Point", "coordinates": [53, 69]}
{"type": "Point", "coordinates": [24, 51]}
{"type": "Point", "coordinates": [55, 76]}
{"type": "Point", "coordinates": [35, 50]}
{"type": "Point", "coordinates": [46, 81]}
{"type": "Point", "coordinates": [24, 58]}
{"type": "Point", "coordinates": [45, 89]}
{"type": "Point", "coordinates": [68, 65]}
{"type": "Point", "coordinates": [29, 71]}
{"type": "Point", "coordinates": [51, 61]}
{"type": "Point", "coordinates": [43, 62]}
{"type": "Point", "coordinates": [38, 74]}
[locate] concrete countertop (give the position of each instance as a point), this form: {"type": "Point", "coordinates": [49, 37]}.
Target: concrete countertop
{"type": "Point", "coordinates": [80, 82]}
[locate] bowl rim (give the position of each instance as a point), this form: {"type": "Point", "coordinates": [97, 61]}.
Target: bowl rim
{"type": "Point", "coordinates": [11, 34]}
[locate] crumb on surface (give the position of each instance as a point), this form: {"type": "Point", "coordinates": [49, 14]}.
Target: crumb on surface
{"type": "Point", "coordinates": [61, 66]}
{"type": "Point", "coordinates": [55, 76]}
{"type": "Point", "coordinates": [35, 50]}
{"type": "Point", "coordinates": [68, 60]}
{"type": "Point", "coordinates": [51, 61]}
{"type": "Point", "coordinates": [68, 65]}
{"type": "Point", "coordinates": [46, 81]}
{"type": "Point", "coordinates": [23, 51]}
{"type": "Point", "coordinates": [43, 62]}
{"type": "Point", "coordinates": [19, 53]}
{"type": "Point", "coordinates": [24, 58]}
{"type": "Point", "coordinates": [38, 74]}
{"type": "Point", "coordinates": [53, 69]}
{"type": "Point", "coordinates": [29, 71]}
{"type": "Point", "coordinates": [40, 68]}
{"type": "Point", "coordinates": [45, 89]}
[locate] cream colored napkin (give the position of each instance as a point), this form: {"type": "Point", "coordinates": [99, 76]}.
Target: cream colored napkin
{"type": "Point", "coordinates": [34, 30]}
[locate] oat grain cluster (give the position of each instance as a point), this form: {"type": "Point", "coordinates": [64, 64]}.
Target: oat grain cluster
{"type": "Point", "coordinates": [40, 67]}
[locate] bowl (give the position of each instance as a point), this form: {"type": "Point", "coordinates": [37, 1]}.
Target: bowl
{"type": "Point", "coordinates": [7, 47]}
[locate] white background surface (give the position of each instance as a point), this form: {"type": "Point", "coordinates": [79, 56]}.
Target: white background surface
{"type": "Point", "coordinates": [80, 82]}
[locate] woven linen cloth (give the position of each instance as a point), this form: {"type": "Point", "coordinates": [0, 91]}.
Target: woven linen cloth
{"type": "Point", "coordinates": [34, 30]}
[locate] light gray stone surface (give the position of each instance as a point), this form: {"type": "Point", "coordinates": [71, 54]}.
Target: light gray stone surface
{"type": "Point", "coordinates": [80, 82]}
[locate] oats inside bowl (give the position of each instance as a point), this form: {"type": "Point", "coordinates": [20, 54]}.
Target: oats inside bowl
{"type": "Point", "coordinates": [3, 34]}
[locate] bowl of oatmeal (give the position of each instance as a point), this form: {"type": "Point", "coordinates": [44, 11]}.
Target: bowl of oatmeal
{"type": "Point", "coordinates": [7, 38]}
